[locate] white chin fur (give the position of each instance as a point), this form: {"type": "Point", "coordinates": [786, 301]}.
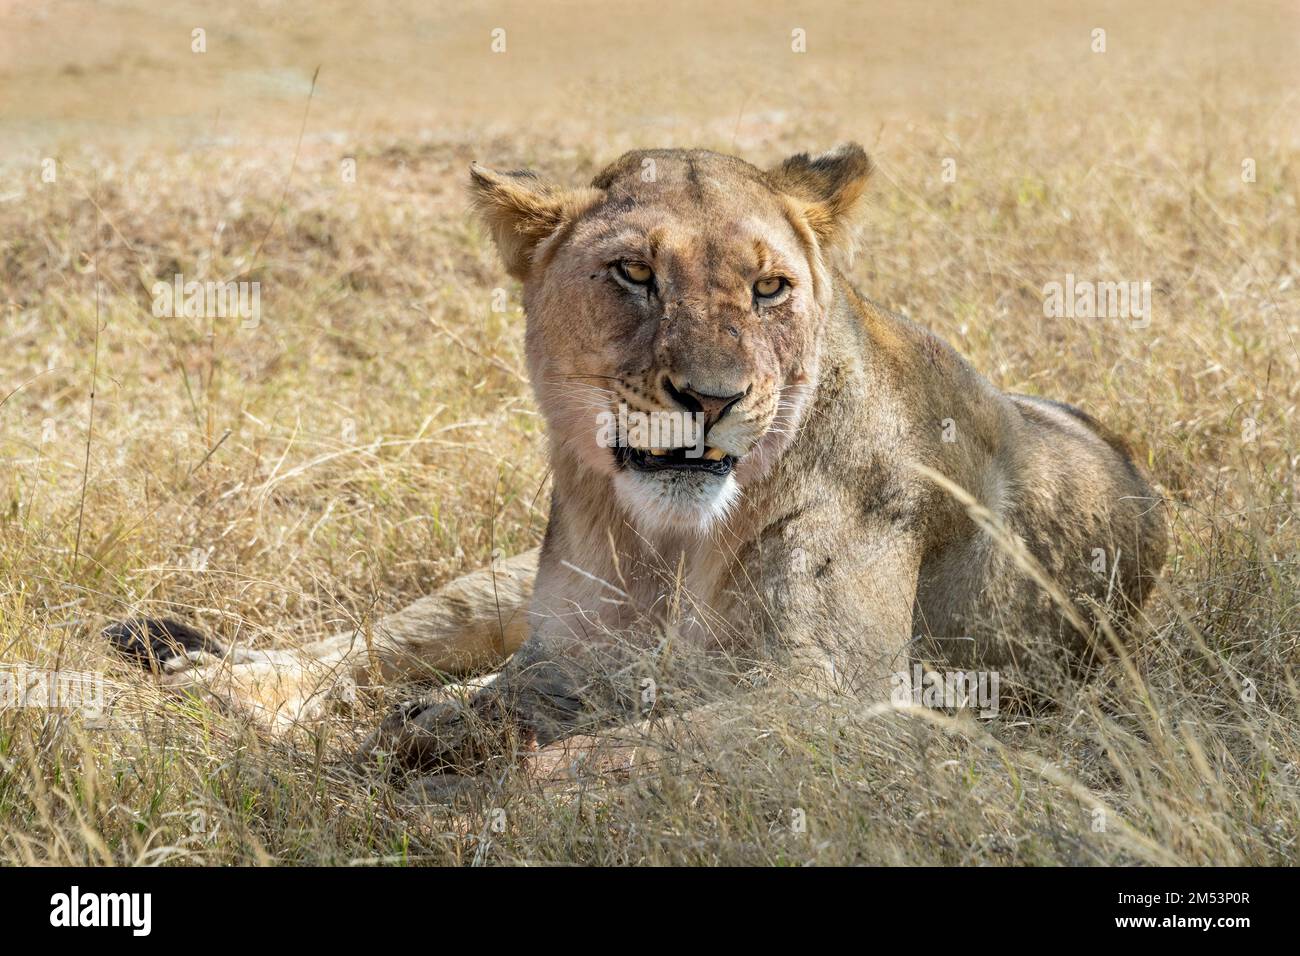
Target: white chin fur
{"type": "Point", "coordinates": [675, 502]}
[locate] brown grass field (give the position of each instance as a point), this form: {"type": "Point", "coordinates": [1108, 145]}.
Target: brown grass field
{"type": "Point", "coordinates": [374, 435]}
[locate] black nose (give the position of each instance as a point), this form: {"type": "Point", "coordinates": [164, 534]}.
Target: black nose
{"type": "Point", "coordinates": [712, 407]}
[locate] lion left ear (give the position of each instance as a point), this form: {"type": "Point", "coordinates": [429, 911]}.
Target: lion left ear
{"type": "Point", "coordinates": [522, 210]}
{"type": "Point", "coordinates": [830, 185]}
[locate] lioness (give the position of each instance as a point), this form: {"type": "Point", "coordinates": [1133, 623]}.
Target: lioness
{"type": "Point", "coordinates": [859, 497]}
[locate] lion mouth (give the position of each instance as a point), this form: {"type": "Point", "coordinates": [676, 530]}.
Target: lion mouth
{"type": "Point", "coordinates": [713, 462]}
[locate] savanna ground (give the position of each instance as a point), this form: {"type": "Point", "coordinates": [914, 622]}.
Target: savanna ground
{"type": "Point", "coordinates": [374, 435]}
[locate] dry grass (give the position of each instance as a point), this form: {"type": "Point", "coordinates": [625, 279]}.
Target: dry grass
{"type": "Point", "coordinates": [373, 437]}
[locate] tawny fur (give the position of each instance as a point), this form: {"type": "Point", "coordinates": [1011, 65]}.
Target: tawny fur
{"type": "Point", "coordinates": [840, 557]}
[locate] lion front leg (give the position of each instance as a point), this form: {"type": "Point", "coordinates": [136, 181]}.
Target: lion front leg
{"type": "Point", "coordinates": [832, 608]}
{"type": "Point", "coordinates": [470, 625]}
{"type": "Point", "coordinates": [553, 687]}
{"type": "Point", "coordinates": [835, 604]}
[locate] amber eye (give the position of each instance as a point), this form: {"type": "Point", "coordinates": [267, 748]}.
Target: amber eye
{"type": "Point", "coordinates": [638, 273]}
{"type": "Point", "coordinates": [767, 288]}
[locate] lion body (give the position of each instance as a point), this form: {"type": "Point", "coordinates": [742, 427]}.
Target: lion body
{"type": "Point", "coordinates": [879, 500]}
{"type": "Point", "coordinates": [844, 555]}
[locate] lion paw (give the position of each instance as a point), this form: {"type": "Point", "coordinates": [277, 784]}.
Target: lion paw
{"type": "Point", "coordinates": [440, 734]}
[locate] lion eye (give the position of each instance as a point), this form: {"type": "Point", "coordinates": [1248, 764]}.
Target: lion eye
{"type": "Point", "coordinates": [767, 288]}
{"type": "Point", "coordinates": [638, 273]}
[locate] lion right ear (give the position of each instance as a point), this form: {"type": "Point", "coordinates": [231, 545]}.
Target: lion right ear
{"type": "Point", "coordinates": [522, 211]}
{"type": "Point", "coordinates": [830, 187]}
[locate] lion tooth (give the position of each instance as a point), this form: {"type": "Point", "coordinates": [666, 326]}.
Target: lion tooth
{"type": "Point", "coordinates": [714, 454]}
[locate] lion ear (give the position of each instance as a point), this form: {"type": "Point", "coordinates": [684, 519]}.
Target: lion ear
{"type": "Point", "coordinates": [829, 185]}
{"type": "Point", "coordinates": [522, 210]}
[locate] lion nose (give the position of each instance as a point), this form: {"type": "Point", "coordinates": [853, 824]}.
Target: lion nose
{"type": "Point", "coordinates": [712, 407]}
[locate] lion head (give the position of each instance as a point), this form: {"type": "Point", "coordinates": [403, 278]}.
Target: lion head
{"type": "Point", "coordinates": [675, 310]}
